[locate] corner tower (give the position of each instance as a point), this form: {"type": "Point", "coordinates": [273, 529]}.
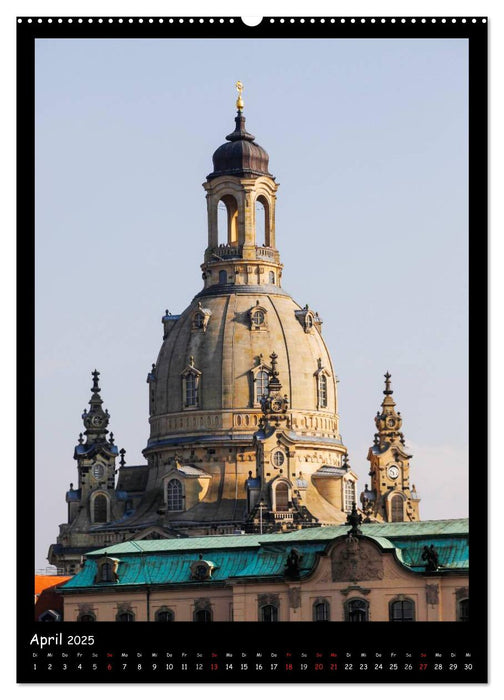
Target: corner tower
{"type": "Point", "coordinates": [390, 499]}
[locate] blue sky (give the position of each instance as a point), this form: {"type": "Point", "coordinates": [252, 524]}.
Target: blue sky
{"type": "Point", "coordinates": [368, 140]}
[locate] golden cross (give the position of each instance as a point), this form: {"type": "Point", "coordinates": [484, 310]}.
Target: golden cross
{"type": "Point", "coordinates": [239, 101]}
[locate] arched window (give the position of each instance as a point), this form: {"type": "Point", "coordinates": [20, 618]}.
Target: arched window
{"type": "Point", "coordinates": [125, 616]}
{"type": "Point", "coordinates": [100, 509]}
{"type": "Point", "coordinates": [402, 611]}
{"type": "Point", "coordinates": [262, 385]}
{"type": "Point", "coordinates": [262, 222]}
{"type": "Point", "coordinates": [396, 509]}
{"type": "Point", "coordinates": [357, 610]}
{"type": "Point", "coordinates": [202, 615]}
{"type": "Point", "coordinates": [227, 220]}
{"type": "Point", "coordinates": [106, 572]}
{"type": "Point", "coordinates": [321, 611]}
{"type": "Point", "coordinates": [86, 617]}
{"type": "Point", "coordinates": [271, 277]}
{"type": "Point", "coordinates": [222, 277]}
{"type": "Point", "coordinates": [281, 496]}
{"type": "Point", "coordinates": [174, 495]}
{"type": "Point", "coordinates": [268, 613]}
{"type": "Point", "coordinates": [463, 610]}
{"type": "Point", "coordinates": [322, 391]}
{"type": "Point", "coordinates": [165, 615]}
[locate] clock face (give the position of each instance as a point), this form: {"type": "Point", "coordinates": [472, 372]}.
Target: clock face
{"type": "Point", "coordinates": [391, 422]}
{"type": "Point", "coordinates": [98, 471]}
{"type": "Point", "coordinates": [96, 421]}
{"type": "Point", "coordinates": [393, 471]}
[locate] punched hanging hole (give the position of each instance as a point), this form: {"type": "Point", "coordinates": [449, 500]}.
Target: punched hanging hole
{"type": "Point", "coordinates": [251, 21]}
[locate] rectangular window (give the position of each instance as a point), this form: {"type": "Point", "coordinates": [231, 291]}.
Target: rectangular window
{"type": "Point", "coordinates": [349, 496]}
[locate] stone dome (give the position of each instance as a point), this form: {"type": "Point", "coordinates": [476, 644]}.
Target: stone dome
{"type": "Point", "coordinates": [229, 352]}
{"type": "Point", "coordinates": [240, 157]}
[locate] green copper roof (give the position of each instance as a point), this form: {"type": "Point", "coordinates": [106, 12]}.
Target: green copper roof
{"type": "Point", "coordinates": [168, 562]}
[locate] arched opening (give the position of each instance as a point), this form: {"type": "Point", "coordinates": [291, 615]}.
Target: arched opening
{"type": "Point", "coordinates": [227, 220]}
{"type": "Point", "coordinates": [87, 617]}
{"type": "Point", "coordinates": [107, 572]}
{"type": "Point", "coordinates": [165, 615]}
{"type": "Point", "coordinates": [271, 277]}
{"type": "Point", "coordinates": [125, 616]}
{"type": "Point", "coordinates": [100, 509]}
{"type": "Point", "coordinates": [281, 496]}
{"type": "Point", "coordinates": [268, 613]}
{"type": "Point", "coordinates": [223, 277]}
{"type": "Point", "coordinates": [262, 222]}
{"type": "Point", "coordinates": [396, 509]}
{"type": "Point", "coordinates": [357, 610]}
{"type": "Point", "coordinates": [202, 616]}
{"type": "Point", "coordinates": [174, 495]}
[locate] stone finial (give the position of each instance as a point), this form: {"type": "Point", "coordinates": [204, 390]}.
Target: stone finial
{"type": "Point", "coordinates": [354, 519]}
{"type": "Point", "coordinates": [387, 391]}
{"type": "Point", "coordinates": [122, 461]}
{"type": "Point", "coordinates": [95, 388]}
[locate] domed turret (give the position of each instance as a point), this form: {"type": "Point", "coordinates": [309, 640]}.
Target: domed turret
{"type": "Point", "coordinates": [241, 157]}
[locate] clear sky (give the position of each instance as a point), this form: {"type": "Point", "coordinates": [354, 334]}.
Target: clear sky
{"type": "Point", "coordinates": [368, 140]}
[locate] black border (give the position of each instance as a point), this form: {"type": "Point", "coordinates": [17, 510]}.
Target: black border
{"type": "Point", "coordinates": [341, 638]}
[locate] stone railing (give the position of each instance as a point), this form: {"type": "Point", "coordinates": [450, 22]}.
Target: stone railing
{"type": "Point", "coordinates": [225, 251]}
{"type": "Point", "coordinates": [267, 253]}
{"type": "Point", "coordinates": [283, 516]}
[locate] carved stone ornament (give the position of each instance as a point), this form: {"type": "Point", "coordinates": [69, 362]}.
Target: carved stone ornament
{"type": "Point", "coordinates": [432, 593]}
{"type": "Point", "coordinates": [295, 597]}
{"type": "Point", "coordinates": [202, 604]}
{"type": "Point", "coordinates": [461, 593]}
{"type": "Point", "coordinates": [124, 606]}
{"type": "Point", "coordinates": [356, 560]}
{"type": "Point", "coordinates": [355, 589]}
{"type": "Point", "coordinates": [268, 599]}
{"type": "Point", "coordinates": [85, 608]}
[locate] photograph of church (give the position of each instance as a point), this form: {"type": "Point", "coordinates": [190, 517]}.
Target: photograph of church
{"type": "Point", "coordinates": [246, 506]}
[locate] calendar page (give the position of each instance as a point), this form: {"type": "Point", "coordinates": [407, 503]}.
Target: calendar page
{"type": "Point", "coordinates": [252, 250]}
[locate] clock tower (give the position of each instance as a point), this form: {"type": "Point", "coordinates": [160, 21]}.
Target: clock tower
{"type": "Point", "coordinates": [390, 498]}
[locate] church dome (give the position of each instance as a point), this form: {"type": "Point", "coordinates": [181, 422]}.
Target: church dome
{"type": "Point", "coordinates": [240, 157]}
{"type": "Point", "coordinates": [231, 356]}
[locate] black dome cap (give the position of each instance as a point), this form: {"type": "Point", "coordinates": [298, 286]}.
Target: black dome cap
{"type": "Point", "coordinates": [240, 157]}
